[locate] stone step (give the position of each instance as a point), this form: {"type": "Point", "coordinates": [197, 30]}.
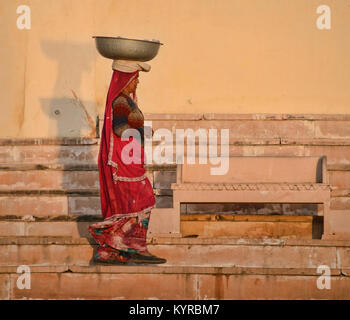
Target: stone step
{"type": "Point", "coordinates": [86, 178]}
{"type": "Point", "coordinates": [173, 282]}
{"type": "Point", "coordinates": [44, 203]}
{"type": "Point", "coordinates": [49, 154]}
{"type": "Point", "coordinates": [253, 253]}
{"type": "Point", "coordinates": [50, 203]}
{"type": "Point", "coordinates": [214, 225]}
{"type": "Point", "coordinates": [57, 175]}
{"type": "Point", "coordinates": [53, 228]}
{"type": "Point", "coordinates": [227, 225]}
{"type": "Point", "coordinates": [49, 180]}
{"type": "Point", "coordinates": [85, 152]}
{"type": "Point", "coordinates": [251, 226]}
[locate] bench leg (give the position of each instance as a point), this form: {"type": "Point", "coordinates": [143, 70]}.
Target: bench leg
{"type": "Point", "coordinates": [176, 217]}
{"type": "Point", "coordinates": [165, 222]}
{"type": "Point", "coordinates": [327, 232]}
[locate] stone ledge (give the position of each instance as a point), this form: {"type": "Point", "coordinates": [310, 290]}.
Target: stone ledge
{"type": "Point", "coordinates": [49, 141]}
{"type": "Point", "coordinates": [248, 242]}
{"type": "Point", "coordinates": [24, 240]}
{"type": "Point", "coordinates": [172, 269]}
{"type": "Point", "coordinates": [94, 167]}
{"type": "Point", "coordinates": [70, 285]}
{"type": "Point", "coordinates": [251, 186]}
{"type": "Point", "coordinates": [37, 269]}
{"type": "Point", "coordinates": [254, 142]}
{"type": "Point", "coordinates": [161, 167]}
{"type": "Point", "coordinates": [271, 116]}
{"type": "Point", "coordinates": [51, 192]}
{"type": "Point", "coordinates": [60, 218]}
{"type": "Point", "coordinates": [174, 116]}
{"type": "Point", "coordinates": [242, 116]}
{"type": "Point", "coordinates": [338, 167]}
{"type": "Point", "coordinates": [336, 193]}
{"type": "Point", "coordinates": [316, 142]}
{"type": "Point", "coordinates": [74, 167]}
{"type": "Point", "coordinates": [233, 141]}
{"type": "Point", "coordinates": [52, 167]}
{"type": "Point", "coordinates": [243, 218]}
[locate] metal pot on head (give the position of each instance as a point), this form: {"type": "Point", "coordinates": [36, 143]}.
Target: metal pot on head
{"type": "Point", "coordinates": [118, 48]}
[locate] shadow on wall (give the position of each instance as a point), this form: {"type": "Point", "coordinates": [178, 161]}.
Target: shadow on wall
{"type": "Point", "coordinates": [74, 117]}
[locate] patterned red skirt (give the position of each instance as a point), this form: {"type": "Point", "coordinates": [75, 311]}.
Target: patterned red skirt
{"type": "Point", "coordinates": [120, 235]}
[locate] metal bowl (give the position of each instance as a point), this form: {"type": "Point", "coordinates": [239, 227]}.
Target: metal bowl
{"type": "Point", "coordinates": [118, 48]}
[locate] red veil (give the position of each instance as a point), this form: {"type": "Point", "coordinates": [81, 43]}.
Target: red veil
{"type": "Point", "coordinates": [124, 188]}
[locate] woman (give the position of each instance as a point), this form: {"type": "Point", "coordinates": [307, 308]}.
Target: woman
{"type": "Point", "coordinates": [126, 193]}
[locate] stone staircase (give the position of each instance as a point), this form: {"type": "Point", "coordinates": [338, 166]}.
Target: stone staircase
{"type": "Point", "coordinates": [202, 268]}
{"type": "Point", "coordinates": [49, 194]}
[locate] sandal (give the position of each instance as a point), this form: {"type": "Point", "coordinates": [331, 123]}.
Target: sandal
{"type": "Point", "coordinates": [139, 258]}
{"type": "Point", "coordinates": [108, 262]}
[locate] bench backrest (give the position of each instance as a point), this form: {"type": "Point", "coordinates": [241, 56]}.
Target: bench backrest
{"type": "Point", "coordinates": [263, 169]}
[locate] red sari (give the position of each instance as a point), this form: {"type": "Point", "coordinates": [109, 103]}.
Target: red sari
{"type": "Point", "coordinates": [126, 194]}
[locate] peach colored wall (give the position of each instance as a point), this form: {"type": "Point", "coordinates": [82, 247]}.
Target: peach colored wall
{"type": "Point", "coordinates": [228, 56]}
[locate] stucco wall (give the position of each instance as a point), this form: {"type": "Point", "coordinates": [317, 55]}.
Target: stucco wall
{"type": "Point", "coordinates": [229, 56]}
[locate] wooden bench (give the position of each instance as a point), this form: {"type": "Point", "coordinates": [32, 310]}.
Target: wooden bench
{"type": "Point", "coordinates": [260, 179]}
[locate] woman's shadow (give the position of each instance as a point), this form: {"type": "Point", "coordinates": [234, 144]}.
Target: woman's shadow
{"type": "Point", "coordinates": [75, 119]}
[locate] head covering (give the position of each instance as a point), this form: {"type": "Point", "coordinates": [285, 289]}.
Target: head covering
{"type": "Point", "coordinates": [119, 81]}
{"type": "Point", "coordinates": [130, 66]}
{"type": "Point", "coordinates": [110, 146]}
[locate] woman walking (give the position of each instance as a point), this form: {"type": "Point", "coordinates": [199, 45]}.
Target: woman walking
{"type": "Point", "coordinates": [126, 194]}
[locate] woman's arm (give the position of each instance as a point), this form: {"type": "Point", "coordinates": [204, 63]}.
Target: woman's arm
{"type": "Point", "coordinates": [122, 117]}
{"type": "Point", "coordinates": [121, 111]}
